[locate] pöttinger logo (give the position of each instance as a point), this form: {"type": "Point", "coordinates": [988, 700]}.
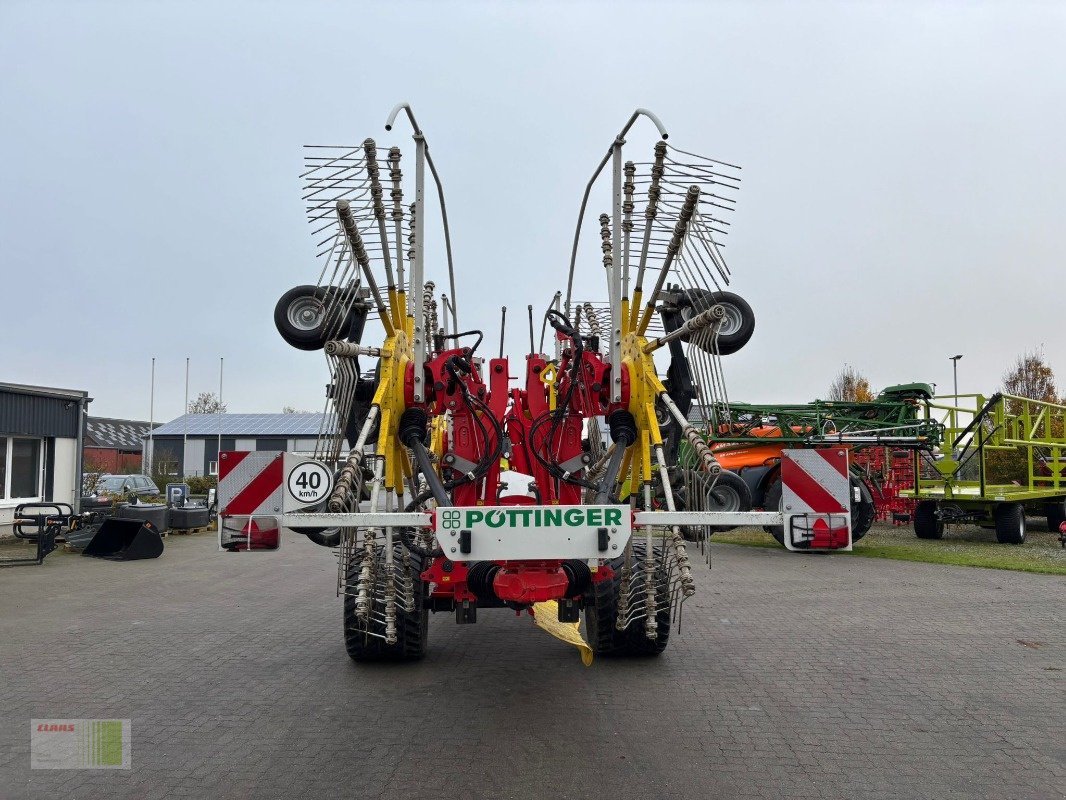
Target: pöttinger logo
{"type": "Point", "coordinates": [452, 519]}
{"type": "Point", "coordinates": [80, 744]}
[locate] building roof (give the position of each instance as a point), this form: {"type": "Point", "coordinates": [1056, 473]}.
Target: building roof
{"type": "Point", "coordinates": [280, 425]}
{"type": "Point", "coordinates": [47, 391]}
{"type": "Point", "coordinates": [120, 434]}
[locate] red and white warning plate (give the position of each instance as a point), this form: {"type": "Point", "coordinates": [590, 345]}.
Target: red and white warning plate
{"type": "Point", "coordinates": [815, 499]}
{"type": "Point", "coordinates": [256, 489]}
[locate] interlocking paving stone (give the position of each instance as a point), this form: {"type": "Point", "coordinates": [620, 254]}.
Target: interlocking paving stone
{"type": "Point", "coordinates": [793, 676]}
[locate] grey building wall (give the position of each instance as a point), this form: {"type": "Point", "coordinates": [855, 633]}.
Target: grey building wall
{"type": "Point", "coordinates": [196, 456]}
{"type": "Point", "coordinates": [31, 414]}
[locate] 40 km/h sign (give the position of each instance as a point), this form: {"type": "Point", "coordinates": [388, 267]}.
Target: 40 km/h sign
{"type": "Point", "coordinates": [309, 482]}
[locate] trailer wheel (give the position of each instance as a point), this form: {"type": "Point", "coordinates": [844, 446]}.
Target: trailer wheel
{"type": "Point", "coordinates": [303, 318]}
{"type": "Point", "coordinates": [772, 502]}
{"type": "Point", "coordinates": [1010, 523]}
{"type": "Point", "coordinates": [863, 512]}
{"type": "Point", "coordinates": [738, 325]}
{"type": "Point", "coordinates": [926, 523]}
{"type": "Point", "coordinates": [730, 493]}
{"type": "Point", "coordinates": [1056, 515]}
{"type": "Point", "coordinates": [367, 642]}
{"type": "Point", "coordinates": [602, 612]}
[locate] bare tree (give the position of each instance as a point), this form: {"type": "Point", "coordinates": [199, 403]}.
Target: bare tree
{"type": "Point", "coordinates": [851, 386]}
{"type": "Point", "coordinates": [207, 403]}
{"type": "Point", "coordinates": [1030, 376]}
{"type": "Point", "coordinates": [292, 410]}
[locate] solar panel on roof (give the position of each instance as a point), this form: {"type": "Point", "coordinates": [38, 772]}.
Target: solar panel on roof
{"type": "Point", "coordinates": [245, 425]}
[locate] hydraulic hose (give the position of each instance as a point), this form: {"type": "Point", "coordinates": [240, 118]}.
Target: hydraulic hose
{"type": "Point", "coordinates": [623, 433]}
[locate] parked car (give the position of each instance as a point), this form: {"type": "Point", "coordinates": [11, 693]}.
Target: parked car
{"type": "Point", "coordinates": [126, 485]}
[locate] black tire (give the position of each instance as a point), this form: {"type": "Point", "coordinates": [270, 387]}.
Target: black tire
{"type": "Point", "coordinates": [601, 612]}
{"type": "Point", "coordinates": [863, 512]}
{"type": "Point", "coordinates": [772, 502]}
{"type": "Point", "coordinates": [412, 627]}
{"type": "Point", "coordinates": [926, 523]}
{"type": "Point", "coordinates": [1056, 515]}
{"type": "Point", "coordinates": [737, 327]}
{"type": "Point", "coordinates": [302, 320]}
{"type": "Point", "coordinates": [730, 493]}
{"type": "Point", "coordinates": [1010, 523]}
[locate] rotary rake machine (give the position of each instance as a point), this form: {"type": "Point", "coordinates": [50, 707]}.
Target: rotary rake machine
{"type": "Point", "coordinates": [440, 485]}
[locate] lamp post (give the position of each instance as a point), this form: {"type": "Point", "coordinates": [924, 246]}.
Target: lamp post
{"type": "Point", "coordinates": [955, 371]}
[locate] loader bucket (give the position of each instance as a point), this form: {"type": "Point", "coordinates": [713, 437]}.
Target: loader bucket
{"type": "Point", "coordinates": [125, 540]}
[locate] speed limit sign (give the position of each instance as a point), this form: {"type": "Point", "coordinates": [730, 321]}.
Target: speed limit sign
{"type": "Point", "coordinates": [309, 482]}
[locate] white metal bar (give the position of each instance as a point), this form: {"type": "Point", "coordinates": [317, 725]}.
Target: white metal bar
{"type": "Point", "coordinates": [663, 518]}
{"type": "Point", "coordinates": [615, 275]}
{"type": "Point", "coordinates": [421, 519]}
{"type": "Point", "coordinates": [357, 519]}
{"type": "Point", "coordinates": [417, 269]}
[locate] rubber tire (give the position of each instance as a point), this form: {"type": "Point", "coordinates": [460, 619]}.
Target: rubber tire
{"type": "Point", "coordinates": [730, 481]}
{"type": "Point", "coordinates": [316, 338]}
{"type": "Point", "coordinates": [602, 612]}
{"type": "Point", "coordinates": [926, 524]}
{"type": "Point", "coordinates": [702, 299]}
{"type": "Point", "coordinates": [412, 628]}
{"type": "Point", "coordinates": [1010, 523]}
{"type": "Point", "coordinates": [772, 502]}
{"type": "Point", "coordinates": [862, 514]}
{"type": "Point", "coordinates": [1056, 515]}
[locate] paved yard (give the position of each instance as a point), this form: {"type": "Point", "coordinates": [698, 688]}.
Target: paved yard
{"type": "Point", "coordinates": [793, 676]}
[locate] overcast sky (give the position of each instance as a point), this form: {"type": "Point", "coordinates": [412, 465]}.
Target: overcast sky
{"type": "Point", "coordinates": [903, 195]}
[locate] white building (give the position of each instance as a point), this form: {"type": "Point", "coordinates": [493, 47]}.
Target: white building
{"type": "Point", "coordinates": [41, 433]}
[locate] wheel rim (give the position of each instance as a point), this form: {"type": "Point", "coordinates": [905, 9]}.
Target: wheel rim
{"type": "Point", "coordinates": [305, 313]}
{"type": "Point", "coordinates": [732, 320]}
{"type": "Point", "coordinates": [723, 498]}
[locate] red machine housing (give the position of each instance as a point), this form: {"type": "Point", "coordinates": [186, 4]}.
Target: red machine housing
{"type": "Point", "coordinates": [543, 423]}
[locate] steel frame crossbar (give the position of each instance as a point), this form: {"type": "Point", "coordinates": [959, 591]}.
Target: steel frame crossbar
{"type": "Point", "coordinates": [421, 519]}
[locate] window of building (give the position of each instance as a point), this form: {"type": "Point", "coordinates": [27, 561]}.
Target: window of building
{"type": "Point", "coordinates": [212, 468]}
{"type": "Point", "coordinates": [271, 445]}
{"type": "Point", "coordinates": [20, 468]}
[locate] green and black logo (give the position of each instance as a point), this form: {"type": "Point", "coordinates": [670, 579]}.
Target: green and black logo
{"type": "Point", "coordinates": [532, 517]}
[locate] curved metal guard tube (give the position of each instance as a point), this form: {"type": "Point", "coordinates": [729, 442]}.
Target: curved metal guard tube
{"type": "Point", "coordinates": [588, 189]}
{"type": "Point", "coordinates": [440, 196]}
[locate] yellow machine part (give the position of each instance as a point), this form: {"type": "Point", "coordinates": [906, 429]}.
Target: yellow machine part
{"type": "Point", "coordinates": [644, 388]}
{"type": "Point", "coordinates": [546, 615]}
{"type": "Point", "coordinates": [396, 354]}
